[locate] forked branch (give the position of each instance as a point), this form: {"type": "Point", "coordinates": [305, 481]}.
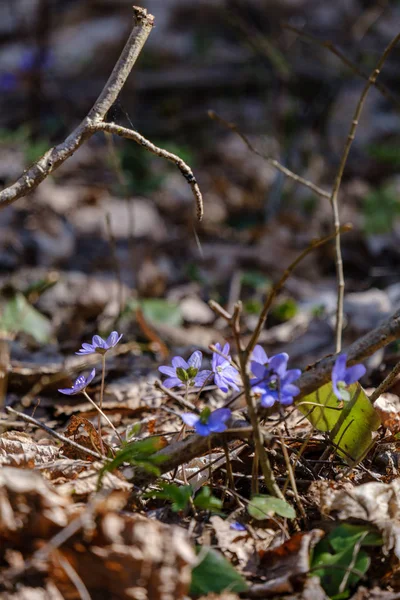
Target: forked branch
{"type": "Point", "coordinates": [95, 121]}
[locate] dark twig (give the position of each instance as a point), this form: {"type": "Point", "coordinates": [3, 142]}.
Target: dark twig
{"type": "Point", "coordinates": [272, 161]}
{"type": "Point", "coordinates": [386, 383]}
{"type": "Point", "coordinates": [384, 90]}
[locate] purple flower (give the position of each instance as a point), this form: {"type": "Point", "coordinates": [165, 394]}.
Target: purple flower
{"type": "Point", "coordinates": [184, 373]}
{"type": "Point", "coordinates": [343, 376]}
{"type": "Point", "coordinates": [237, 526]}
{"type": "Point", "coordinates": [80, 384]}
{"type": "Point", "coordinates": [208, 422]}
{"type": "Point", "coordinates": [273, 382]}
{"type": "Point", "coordinates": [225, 375]}
{"type": "Point", "coordinates": [99, 345]}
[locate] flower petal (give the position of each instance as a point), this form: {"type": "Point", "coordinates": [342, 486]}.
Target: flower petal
{"type": "Point", "coordinates": [268, 400]}
{"type": "Point", "coordinates": [98, 342]}
{"type": "Point", "coordinates": [354, 373]}
{"type": "Point", "coordinates": [172, 382]}
{"type": "Point", "coordinates": [202, 377]}
{"type": "Point", "coordinates": [259, 355]}
{"type": "Point", "coordinates": [217, 419]}
{"type": "Point", "coordinates": [113, 339]}
{"type": "Point", "coordinates": [259, 370]}
{"type": "Point", "coordinates": [290, 390]}
{"type": "Point", "coordinates": [202, 429]}
{"type": "Point", "coordinates": [68, 391]}
{"type": "Point", "coordinates": [190, 419]}
{"type": "Point", "coordinates": [220, 382]}
{"type": "Point", "coordinates": [286, 400]}
{"type": "Point", "coordinates": [178, 362]}
{"type": "Point", "coordinates": [290, 376]}
{"type": "Point", "coordinates": [170, 371]}
{"type": "Point", "coordinates": [278, 364]}
{"type": "Point", "coordinates": [195, 360]}
{"type": "Point", "coordinates": [91, 376]}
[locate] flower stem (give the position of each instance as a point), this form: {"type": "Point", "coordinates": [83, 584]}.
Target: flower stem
{"type": "Point", "coordinates": [103, 374]}
{"type": "Point", "coordinates": [101, 413]}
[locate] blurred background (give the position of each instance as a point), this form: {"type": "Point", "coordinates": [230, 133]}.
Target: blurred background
{"type": "Point", "coordinates": [115, 225]}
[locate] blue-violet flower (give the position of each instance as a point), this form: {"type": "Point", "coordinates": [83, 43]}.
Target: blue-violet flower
{"type": "Point", "coordinates": [237, 526]}
{"type": "Point", "coordinates": [184, 373]}
{"type": "Point", "coordinates": [99, 345]}
{"type": "Point", "coordinates": [343, 376]}
{"type": "Point", "coordinates": [225, 375]}
{"type": "Point", "coordinates": [273, 382]}
{"type": "Point", "coordinates": [80, 384]}
{"type": "Point", "coordinates": [208, 422]}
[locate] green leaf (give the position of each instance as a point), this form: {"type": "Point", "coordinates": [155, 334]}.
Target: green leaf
{"type": "Point", "coordinates": [261, 507]}
{"type": "Point", "coordinates": [338, 550]}
{"type": "Point", "coordinates": [137, 453]}
{"type": "Point", "coordinates": [215, 574]}
{"type": "Point", "coordinates": [350, 423]}
{"type": "Point", "coordinates": [158, 310]}
{"type": "Point", "coordinates": [20, 316]}
{"type": "Point", "coordinates": [179, 495]}
{"type": "Point", "coordinates": [206, 501]}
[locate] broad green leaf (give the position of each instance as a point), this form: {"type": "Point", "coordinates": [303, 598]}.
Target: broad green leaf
{"type": "Point", "coordinates": [20, 316]}
{"type": "Point", "coordinates": [158, 310]}
{"type": "Point", "coordinates": [261, 507]}
{"type": "Point", "coordinates": [346, 535]}
{"type": "Point", "coordinates": [350, 423]}
{"type": "Point", "coordinates": [215, 574]}
{"type": "Point", "coordinates": [178, 494]}
{"type": "Point", "coordinates": [206, 501]}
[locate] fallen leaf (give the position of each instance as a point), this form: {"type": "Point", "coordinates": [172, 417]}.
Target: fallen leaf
{"type": "Point", "coordinates": [376, 503]}
{"type": "Point", "coordinates": [18, 449]}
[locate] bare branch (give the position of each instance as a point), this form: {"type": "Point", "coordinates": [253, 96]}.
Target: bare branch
{"type": "Point", "coordinates": [274, 163]}
{"type": "Point", "coordinates": [384, 90]}
{"type": "Point", "coordinates": [94, 122]}
{"type": "Point", "coordinates": [186, 171]}
{"type": "Point", "coordinates": [336, 186]}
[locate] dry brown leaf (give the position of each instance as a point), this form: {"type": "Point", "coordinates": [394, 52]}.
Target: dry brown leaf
{"type": "Point", "coordinates": [286, 567]}
{"type": "Point", "coordinates": [388, 409]}
{"type": "Point", "coordinates": [239, 546]}
{"type": "Point", "coordinates": [29, 505]}
{"type": "Point", "coordinates": [17, 449]}
{"type": "Point", "coordinates": [83, 432]}
{"type": "Point", "coordinates": [115, 554]}
{"type": "Point", "coordinates": [80, 477]}
{"type": "Point", "coordinates": [374, 502]}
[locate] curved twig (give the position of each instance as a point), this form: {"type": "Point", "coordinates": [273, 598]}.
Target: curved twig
{"type": "Point", "coordinates": [94, 121]}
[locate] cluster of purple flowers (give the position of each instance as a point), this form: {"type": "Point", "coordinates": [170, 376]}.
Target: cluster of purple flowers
{"type": "Point", "coordinates": [272, 382]}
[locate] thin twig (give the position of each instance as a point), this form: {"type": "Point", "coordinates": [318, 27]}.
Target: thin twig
{"type": "Point", "coordinates": [244, 357]}
{"type": "Point", "coordinates": [336, 187]}
{"type": "Point", "coordinates": [56, 435]}
{"type": "Point", "coordinates": [278, 286]}
{"type": "Point", "coordinates": [93, 403]}
{"type": "Point", "coordinates": [384, 90]}
{"type": "Point", "coordinates": [95, 121]}
{"type": "Point", "coordinates": [292, 479]}
{"type": "Point", "coordinates": [274, 163]}
{"type": "Point", "coordinates": [386, 383]}
{"type": "Point", "coordinates": [179, 399]}
{"type": "Point", "coordinates": [186, 171]}
{"type": "Point", "coordinates": [74, 577]}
